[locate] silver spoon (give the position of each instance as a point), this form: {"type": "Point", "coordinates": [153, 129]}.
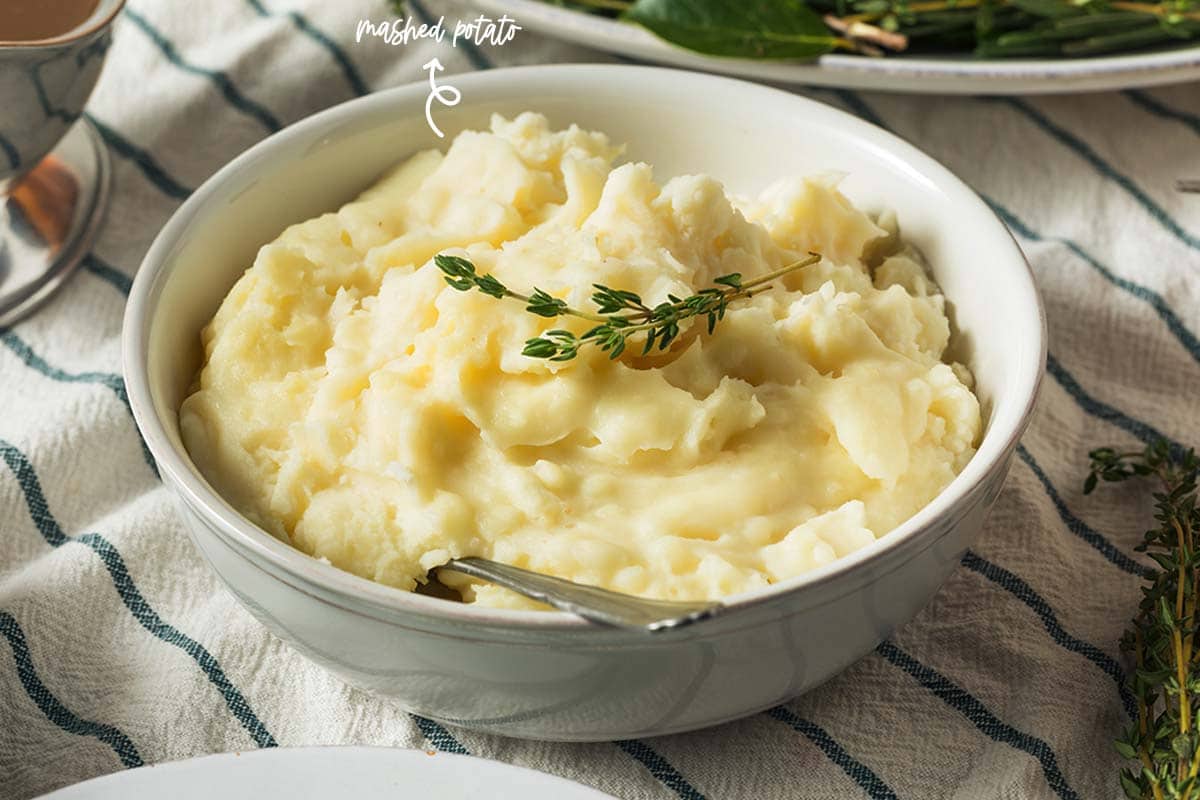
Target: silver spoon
{"type": "Point", "coordinates": [590, 602]}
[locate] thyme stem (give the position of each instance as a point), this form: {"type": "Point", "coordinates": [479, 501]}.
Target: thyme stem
{"type": "Point", "coordinates": [660, 323]}
{"type": "Point", "coordinates": [1181, 662]}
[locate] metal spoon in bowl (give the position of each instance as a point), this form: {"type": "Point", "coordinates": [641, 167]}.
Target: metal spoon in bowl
{"type": "Point", "coordinates": [590, 602]}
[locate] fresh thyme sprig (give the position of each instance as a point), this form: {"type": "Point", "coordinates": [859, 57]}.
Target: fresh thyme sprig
{"type": "Point", "coordinates": [622, 313]}
{"type": "Point", "coordinates": [1165, 738]}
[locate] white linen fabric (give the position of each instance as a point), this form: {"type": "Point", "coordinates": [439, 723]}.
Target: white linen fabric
{"type": "Point", "coordinates": [121, 648]}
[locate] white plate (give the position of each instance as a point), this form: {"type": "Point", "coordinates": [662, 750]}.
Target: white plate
{"type": "Point", "coordinates": [309, 773]}
{"type": "Point", "coordinates": [953, 75]}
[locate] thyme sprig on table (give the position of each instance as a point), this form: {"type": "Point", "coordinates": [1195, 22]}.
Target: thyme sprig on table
{"type": "Point", "coordinates": [620, 314]}
{"type": "Point", "coordinates": [1165, 738]}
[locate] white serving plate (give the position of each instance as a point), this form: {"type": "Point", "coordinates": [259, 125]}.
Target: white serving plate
{"type": "Point", "coordinates": [321, 773]}
{"type": "Point", "coordinates": [924, 75]}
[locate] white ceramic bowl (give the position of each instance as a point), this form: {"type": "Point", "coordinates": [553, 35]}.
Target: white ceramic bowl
{"type": "Point", "coordinates": [550, 675]}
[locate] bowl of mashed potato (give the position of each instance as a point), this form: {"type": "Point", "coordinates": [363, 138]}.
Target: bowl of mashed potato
{"type": "Point", "coordinates": [337, 420]}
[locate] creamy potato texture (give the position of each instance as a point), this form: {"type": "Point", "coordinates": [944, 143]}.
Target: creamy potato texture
{"type": "Point", "coordinates": [356, 406]}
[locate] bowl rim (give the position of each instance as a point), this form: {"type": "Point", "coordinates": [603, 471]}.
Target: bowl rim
{"type": "Point", "coordinates": [993, 453]}
{"type": "Point", "coordinates": [102, 15]}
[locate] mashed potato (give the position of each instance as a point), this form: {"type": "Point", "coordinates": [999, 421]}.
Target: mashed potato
{"type": "Point", "coordinates": [356, 406]}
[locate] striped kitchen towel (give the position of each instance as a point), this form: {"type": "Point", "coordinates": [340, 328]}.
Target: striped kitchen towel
{"type": "Point", "coordinates": [120, 648]}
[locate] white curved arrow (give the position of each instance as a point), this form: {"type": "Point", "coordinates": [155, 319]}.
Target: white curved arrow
{"type": "Point", "coordinates": [445, 94]}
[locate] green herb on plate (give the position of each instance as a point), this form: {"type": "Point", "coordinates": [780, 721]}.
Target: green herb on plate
{"type": "Point", "coordinates": [773, 29]}
{"type": "Point", "coordinates": [1164, 740]}
{"type": "Point", "coordinates": [621, 314]}
{"type": "Point", "coordinates": [804, 29]}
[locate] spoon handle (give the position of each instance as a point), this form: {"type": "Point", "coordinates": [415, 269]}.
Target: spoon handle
{"type": "Point", "coordinates": [590, 602]}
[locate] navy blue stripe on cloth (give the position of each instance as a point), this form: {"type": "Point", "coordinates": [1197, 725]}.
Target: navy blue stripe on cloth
{"type": "Point", "coordinates": [474, 55]}
{"type": "Point", "coordinates": [52, 707]}
{"type": "Point", "coordinates": [1147, 295]}
{"type": "Point", "coordinates": [439, 737]}
{"type": "Point", "coordinates": [110, 379]}
{"type": "Point", "coordinates": [659, 767]}
{"type": "Point", "coordinates": [218, 78]}
{"type": "Point", "coordinates": [1038, 605]}
{"type": "Point", "coordinates": [152, 622]}
{"type": "Point", "coordinates": [858, 772]}
{"type": "Point", "coordinates": [35, 362]}
{"type": "Point", "coordinates": [109, 274]}
{"type": "Point", "coordinates": [142, 160]}
{"type": "Point", "coordinates": [1077, 526]}
{"type": "Point", "coordinates": [1101, 410]}
{"type": "Point", "coordinates": [1159, 109]}
{"type": "Point", "coordinates": [1084, 151]}
{"type": "Point", "coordinates": [984, 720]}
{"type": "Point", "coordinates": [35, 499]}
{"type": "Point", "coordinates": [351, 73]}
{"type": "Point", "coordinates": [123, 583]}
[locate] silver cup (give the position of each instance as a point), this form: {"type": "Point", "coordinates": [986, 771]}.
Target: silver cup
{"type": "Point", "coordinates": [54, 169]}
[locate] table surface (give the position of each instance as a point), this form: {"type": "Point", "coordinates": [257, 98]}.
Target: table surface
{"type": "Point", "coordinates": [121, 649]}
